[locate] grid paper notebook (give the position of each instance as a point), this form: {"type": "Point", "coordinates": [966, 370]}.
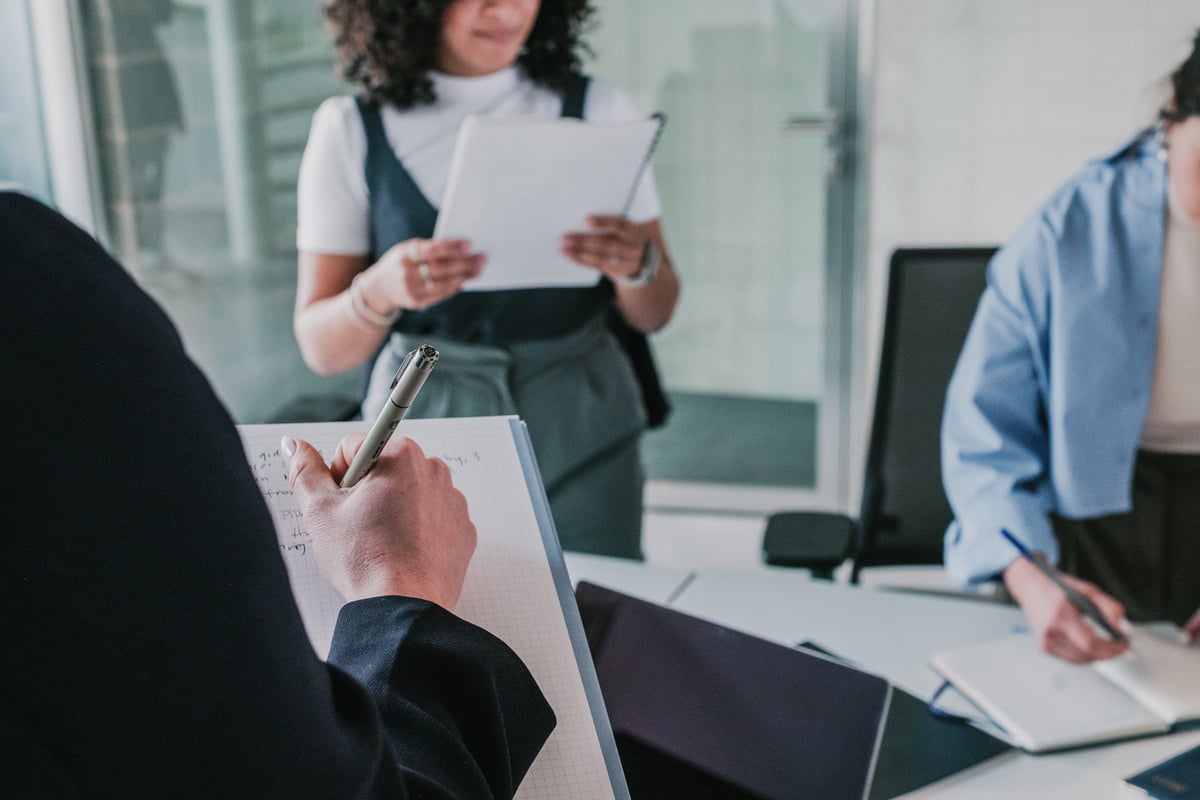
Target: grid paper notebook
{"type": "Point", "coordinates": [517, 585]}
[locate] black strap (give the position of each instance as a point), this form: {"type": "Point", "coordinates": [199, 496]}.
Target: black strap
{"type": "Point", "coordinates": [637, 347]}
{"type": "Point", "coordinates": [635, 343]}
{"type": "Point", "coordinates": [574, 93]}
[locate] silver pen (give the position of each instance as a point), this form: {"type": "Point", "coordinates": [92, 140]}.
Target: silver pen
{"type": "Point", "coordinates": [408, 381]}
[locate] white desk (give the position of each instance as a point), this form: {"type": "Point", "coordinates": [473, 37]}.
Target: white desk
{"type": "Point", "coordinates": [656, 584]}
{"type": "Point", "coordinates": [890, 633]}
{"type": "Point", "coordinates": [893, 634]}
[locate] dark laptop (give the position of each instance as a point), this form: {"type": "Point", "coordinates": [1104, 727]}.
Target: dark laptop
{"type": "Point", "coordinates": [703, 711]}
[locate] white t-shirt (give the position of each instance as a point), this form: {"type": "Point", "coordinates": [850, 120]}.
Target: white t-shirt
{"type": "Point", "coordinates": [334, 210]}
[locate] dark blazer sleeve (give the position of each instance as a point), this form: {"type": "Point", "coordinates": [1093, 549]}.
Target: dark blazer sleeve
{"type": "Point", "coordinates": [151, 645]}
{"type": "Point", "coordinates": [475, 703]}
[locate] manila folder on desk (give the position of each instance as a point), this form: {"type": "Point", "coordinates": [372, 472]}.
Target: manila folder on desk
{"type": "Point", "coordinates": [1045, 704]}
{"type": "Point", "coordinates": [517, 184]}
{"type": "Point", "coordinates": [516, 587]}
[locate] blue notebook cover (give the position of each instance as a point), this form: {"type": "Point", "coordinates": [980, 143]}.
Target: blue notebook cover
{"type": "Point", "coordinates": [1177, 778]}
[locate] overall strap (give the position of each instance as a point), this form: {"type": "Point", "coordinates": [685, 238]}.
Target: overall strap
{"type": "Point", "coordinates": [634, 343]}
{"type": "Point", "coordinates": [399, 209]}
{"type": "Point", "coordinates": [373, 126]}
{"type": "Point", "coordinates": [574, 93]}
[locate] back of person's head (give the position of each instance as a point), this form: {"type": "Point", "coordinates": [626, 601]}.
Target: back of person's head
{"type": "Point", "coordinates": [1185, 88]}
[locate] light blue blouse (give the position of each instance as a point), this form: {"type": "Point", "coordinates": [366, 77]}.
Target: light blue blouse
{"type": "Point", "coordinates": [1047, 403]}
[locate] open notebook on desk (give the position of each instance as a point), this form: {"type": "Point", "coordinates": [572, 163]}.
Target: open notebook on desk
{"type": "Point", "coordinates": [516, 587]}
{"type": "Point", "coordinates": [517, 184]}
{"type": "Point", "coordinates": [1044, 703]}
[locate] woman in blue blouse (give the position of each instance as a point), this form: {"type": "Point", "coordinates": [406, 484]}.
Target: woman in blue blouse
{"type": "Point", "coordinates": [1073, 417]}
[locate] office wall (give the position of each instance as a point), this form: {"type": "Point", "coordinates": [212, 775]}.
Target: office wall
{"type": "Point", "coordinates": [979, 109]}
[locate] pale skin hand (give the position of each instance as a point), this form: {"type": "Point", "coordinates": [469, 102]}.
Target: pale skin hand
{"type": "Point", "coordinates": [329, 341]}
{"type": "Point", "coordinates": [614, 246]}
{"type": "Point", "coordinates": [1060, 630]}
{"type": "Point", "coordinates": [402, 530]}
{"type": "Point", "coordinates": [397, 279]}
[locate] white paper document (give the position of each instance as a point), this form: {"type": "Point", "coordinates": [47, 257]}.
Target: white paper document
{"type": "Point", "coordinates": [517, 184]}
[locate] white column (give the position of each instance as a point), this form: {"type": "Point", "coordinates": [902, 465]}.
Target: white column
{"type": "Point", "coordinates": [235, 90]}
{"type": "Point", "coordinates": [67, 114]}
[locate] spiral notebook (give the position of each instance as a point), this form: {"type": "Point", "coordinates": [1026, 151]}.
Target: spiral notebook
{"type": "Point", "coordinates": [517, 184]}
{"type": "Point", "coordinates": [517, 586]}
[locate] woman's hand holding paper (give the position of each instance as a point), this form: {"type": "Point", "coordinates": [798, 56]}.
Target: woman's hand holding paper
{"type": "Point", "coordinates": [419, 273]}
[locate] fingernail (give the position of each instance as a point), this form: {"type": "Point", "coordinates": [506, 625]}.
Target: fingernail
{"type": "Point", "coordinates": [288, 445]}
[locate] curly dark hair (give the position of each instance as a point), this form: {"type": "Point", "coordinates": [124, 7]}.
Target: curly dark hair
{"type": "Point", "coordinates": [1185, 88]}
{"type": "Point", "coordinates": [387, 47]}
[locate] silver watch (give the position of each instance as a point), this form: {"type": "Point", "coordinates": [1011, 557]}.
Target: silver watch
{"type": "Point", "coordinates": [647, 269]}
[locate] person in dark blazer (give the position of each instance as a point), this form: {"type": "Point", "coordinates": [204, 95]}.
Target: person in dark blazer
{"type": "Point", "coordinates": [151, 645]}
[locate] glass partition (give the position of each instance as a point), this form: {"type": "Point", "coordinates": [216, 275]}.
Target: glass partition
{"type": "Point", "coordinates": [203, 107]}
{"type": "Point", "coordinates": [745, 168]}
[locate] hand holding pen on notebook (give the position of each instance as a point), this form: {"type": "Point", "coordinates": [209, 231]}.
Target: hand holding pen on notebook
{"type": "Point", "coordinates": [1059, 637]}
{"type": "Point", "coordinates": [410, 377]}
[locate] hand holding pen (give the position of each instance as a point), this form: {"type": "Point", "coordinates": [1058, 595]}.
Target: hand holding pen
{"type": "Point", "coordinates": [405, 531]}
{"type": "Point", "coordinates": [1079, 630]}
{"type": "Point", "coordinates": [410, 377]}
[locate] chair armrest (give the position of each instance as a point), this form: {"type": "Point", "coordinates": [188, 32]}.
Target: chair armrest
{"type": "Point", "coordinates": [815, 540]}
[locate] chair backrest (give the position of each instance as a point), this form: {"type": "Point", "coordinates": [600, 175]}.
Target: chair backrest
{"type": "Point", "coordinates": [931, 299]}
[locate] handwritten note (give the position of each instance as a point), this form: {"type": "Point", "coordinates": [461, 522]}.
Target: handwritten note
{"type": "Point", "coordinates": [509, 589]}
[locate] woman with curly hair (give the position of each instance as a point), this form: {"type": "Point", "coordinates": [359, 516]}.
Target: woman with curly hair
{"type": "Point", "coordinates": [373, 282]}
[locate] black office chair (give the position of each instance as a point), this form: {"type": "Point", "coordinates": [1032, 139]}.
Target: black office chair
{"type": "Point", "coordinates": [931, 299]}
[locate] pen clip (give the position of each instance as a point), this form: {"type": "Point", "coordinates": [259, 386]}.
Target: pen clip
{"type": "Point", "coordinates": [403, 365]}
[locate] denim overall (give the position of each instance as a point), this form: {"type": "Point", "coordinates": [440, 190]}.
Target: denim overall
{"type": "Point", "coordinates": [545, 355]}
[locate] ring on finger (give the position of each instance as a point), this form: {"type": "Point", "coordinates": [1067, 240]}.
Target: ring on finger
{"type": "Point", "coordinates": [426, 275]}
{"type": "Point", "coordinates": [413, 251]}
{"type": "Point", "coordinates": [614, 259]}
